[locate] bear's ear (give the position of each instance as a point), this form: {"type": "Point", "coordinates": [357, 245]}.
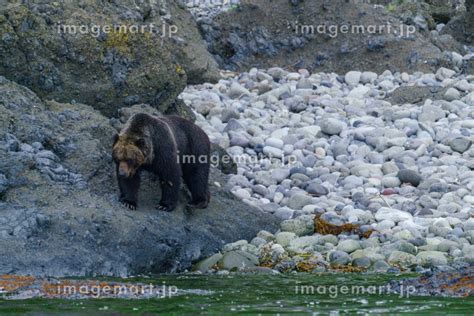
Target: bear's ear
{"type": "Point", "coordinates": [115, 138]}
{"type": "Point", "coordinates": [140, 143]}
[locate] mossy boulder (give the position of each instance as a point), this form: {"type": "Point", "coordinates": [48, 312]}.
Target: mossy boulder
{"type": "Point", "coordinates": [107, 54]}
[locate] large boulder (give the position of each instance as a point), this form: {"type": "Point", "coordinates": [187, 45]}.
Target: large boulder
{"type": "Point", "coordinates": [317, 35]}
{"type": "Point", "coordinates": [59, 213]}
{"type": "Point", "coordinates": [107, 54]}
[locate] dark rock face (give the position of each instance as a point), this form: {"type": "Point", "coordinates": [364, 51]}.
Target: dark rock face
{"type": "Point", "coordinates": [442, 10]}
{"type": "Point", "coordinates": [462, 26]}
{"type": "Point", "coordinates": [278, 33]}
{"type": "Point", "coordinates": [64, 51]}
{"type": "Point", "coordinates": [59, 212]}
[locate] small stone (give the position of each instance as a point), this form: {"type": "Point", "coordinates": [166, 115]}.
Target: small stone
{"type": "Point", "coordinates": [431, 258]}
{"type": "Point", "coordinates": [460, 144]}
{"type": "Point", "coordinates": [284, 213]}
{"type": "Point", "coordinates": [299, 245]}
{"type": "Point", "coordinates": [278, 197]}
{"type": "Point", "coordinates": [367, 170]}
{"type": "Point", "coordinates": [316, 189]}
{"type": "Point", "coordinates": [444, 73]}
{"type": "Point", "coordinates": [339, 258]}
{"type": "Point", "coordinates": [332, 218]}
{"type": "Point", "coordinates": [236, 260]}
{"type": "Point", "coordinates": [227, 115]}
{"type": "Point", "coordinates": [431, 113]}
{"type": "Point", "coordinates": [258, 241]}
{"type": "Point", "coordinates": [390, 182]}
{"type": "Point", "coordinates": [380, 266]}
{"type": "Point", "coordinates": [385, 213]}
{"type": "Point", "coordinates": [332, 126]}
{"type": "Point", "coordinates": [368, 77]}
{"type": "Point", "coordinates": [371, 253]}
{"type": "Point", "coordinates": [277, 73]}
{"type": "Point", "coordinates": [452, 94]}
{"type": "Point", "coordinates": [277, 252]}
{"type": "Point", "coordinates": [409, 176]}
{"type": "Point", "coordinates": [242, 194]}
{"type": "Point", "coordinates": [232, 125]}
{"type": "Point", "coordinates": [235, 245]}
{"type": "Point", "coordinates": [207, 264]}
{"type": "Point", "coordinates": [274, 142]}
{"type": "Point", "coordinates": [361, 262]}
{"type": "Point", "coordinates": [304, 83]}
{"type": "Point", "coordinates": [303, 225]}
{"type": "Point", "coordinates": [348, 245]}
{"type": "Point", "coordinates": [420, 22]}
{"type": "Point", "coordinates": [299, 200]}
{"type": "Point", "coordinates": [320, 153]}
{"type": "Point", "coordinates": [280, 174]}
{"type": "Point", "coordinates": [402, 259]}
{"type": "Point", "coordinates": [353, 77]}
{"type": "Point", "coordinates": [266, 235]}
{"type": "Point", "coordinates": [457, 59]}
{"type": "Point", "coordinates": [236, 90]}
{"type": "Point", "coordinates": [284, 238]}
{"type": "Point", "coordinates": [389, 167]}
{"type": "Point", "coordinates": [273, 152]}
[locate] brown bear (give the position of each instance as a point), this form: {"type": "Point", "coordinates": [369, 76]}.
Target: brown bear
{"type": "Point", "coordinates": [170, 147]}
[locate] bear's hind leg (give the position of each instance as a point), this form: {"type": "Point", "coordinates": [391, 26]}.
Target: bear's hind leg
{"type": "Point", "coordinates": [170, 183]}
{"type": "Point", "coordinates": [129, 190]}
{"type": "Point", "coordinates": [196, 177]}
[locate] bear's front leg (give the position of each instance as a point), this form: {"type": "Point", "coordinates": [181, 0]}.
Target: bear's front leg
{"type": "Point", "coordinates": [129, 190]}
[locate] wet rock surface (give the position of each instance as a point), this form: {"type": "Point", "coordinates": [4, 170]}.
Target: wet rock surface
{"type": "Point", "coordinates": [457, 282]}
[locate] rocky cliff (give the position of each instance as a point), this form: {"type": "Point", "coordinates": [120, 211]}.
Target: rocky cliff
{"type": "Point", "coordinates": [330, 36]}
{"type": "Point", "coordinates": [107, 54]}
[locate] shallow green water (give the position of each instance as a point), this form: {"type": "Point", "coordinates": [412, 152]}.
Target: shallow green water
{"type": "Point", "coordinates": [257, 294]}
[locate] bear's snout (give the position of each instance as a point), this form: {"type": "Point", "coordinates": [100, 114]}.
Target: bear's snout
{"type": "Point", "coordinates": [125, 170]}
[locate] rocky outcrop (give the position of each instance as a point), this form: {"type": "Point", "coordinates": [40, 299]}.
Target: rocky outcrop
{"type": "Point", "coordinates": [462, 26]}
{"type": "Point", "coordinates": [59, 213]}
{"type": "Point", "coordinates": [72, 51]}
{"type": "Point", "coordinates": [318, 36]}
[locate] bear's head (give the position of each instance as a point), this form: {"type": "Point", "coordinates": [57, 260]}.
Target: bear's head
{"type": "Point", "coordinates": [130, 153]}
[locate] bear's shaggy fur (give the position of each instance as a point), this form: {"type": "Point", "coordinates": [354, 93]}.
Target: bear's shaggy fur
{"type": "Point", "coordinates": [170, 147]}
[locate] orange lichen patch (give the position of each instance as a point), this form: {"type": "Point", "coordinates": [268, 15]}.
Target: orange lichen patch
{"type": "Point", "coordinates": [348, 269]}
{"type": "Point", "coordinates": [267, 264]}
{"type": "Point", "coordinates": [367, 233]}
{"type": "Point", "coordinates": [306, 266]}
{"type": "Point", "coordinates": [266, 259]}
{"type": "Point", "coordinates": [10, 283]}
{"type": "Point", "coordinates": [464, 286]}
{"type": "Point", "coordinates": [324, 228]}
